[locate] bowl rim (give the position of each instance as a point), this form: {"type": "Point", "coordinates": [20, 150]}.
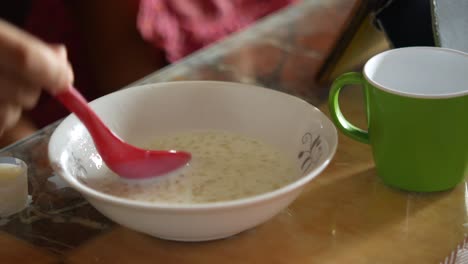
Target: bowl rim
{"type": "Point", "coordinates": [242, 202]}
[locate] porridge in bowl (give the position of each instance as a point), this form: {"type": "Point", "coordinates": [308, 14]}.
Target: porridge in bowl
{"type": "Point", "coordinates": [224, 166]}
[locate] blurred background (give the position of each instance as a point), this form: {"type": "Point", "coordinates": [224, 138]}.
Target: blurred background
{"type": "Point", "coordinates": [112, 43]}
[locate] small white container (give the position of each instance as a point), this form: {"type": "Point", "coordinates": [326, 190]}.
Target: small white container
{"type": "Point", "coordinates": [13, 186]}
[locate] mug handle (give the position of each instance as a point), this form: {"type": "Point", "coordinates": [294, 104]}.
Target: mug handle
{"type": "Point", "coordinates": [335, 111]}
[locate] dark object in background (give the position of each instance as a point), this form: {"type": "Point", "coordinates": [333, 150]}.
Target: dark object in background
{"type": "Point", "coordinates": [405, 22]}
{"type": "Point", "coordinates": [14, 11]}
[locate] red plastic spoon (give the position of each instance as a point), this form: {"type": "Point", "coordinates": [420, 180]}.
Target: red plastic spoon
{"type": "Point", "coordinates": [122, 158]}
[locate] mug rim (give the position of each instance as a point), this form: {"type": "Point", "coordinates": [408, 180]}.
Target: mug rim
{"type": "Point", "coordinates": [408, 94]}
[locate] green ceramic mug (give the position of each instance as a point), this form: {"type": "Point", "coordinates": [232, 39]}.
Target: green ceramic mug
{"type": "Point", "coordinates": [417, 112]}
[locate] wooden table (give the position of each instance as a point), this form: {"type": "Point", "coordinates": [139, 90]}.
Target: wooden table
{"type": "Point", "coordinates": [346, 215]}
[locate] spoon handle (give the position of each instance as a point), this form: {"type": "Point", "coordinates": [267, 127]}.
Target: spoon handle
{"type": "Point", "coordinates": [77, 104]}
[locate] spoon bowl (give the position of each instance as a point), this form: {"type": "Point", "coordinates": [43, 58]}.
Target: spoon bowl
{"type": "Point", "coordinates": [122, 158]}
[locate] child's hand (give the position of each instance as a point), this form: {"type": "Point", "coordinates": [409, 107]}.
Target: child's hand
{"type": "Point", "coordinates": [27, 66]}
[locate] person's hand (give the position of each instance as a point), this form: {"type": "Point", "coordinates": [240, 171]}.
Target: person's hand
{"type": "Point", "coordinates": [27, 66]}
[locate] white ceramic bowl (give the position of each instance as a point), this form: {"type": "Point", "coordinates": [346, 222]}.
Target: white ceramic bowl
{"type": "Point", "coordinates": [142, 113]}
